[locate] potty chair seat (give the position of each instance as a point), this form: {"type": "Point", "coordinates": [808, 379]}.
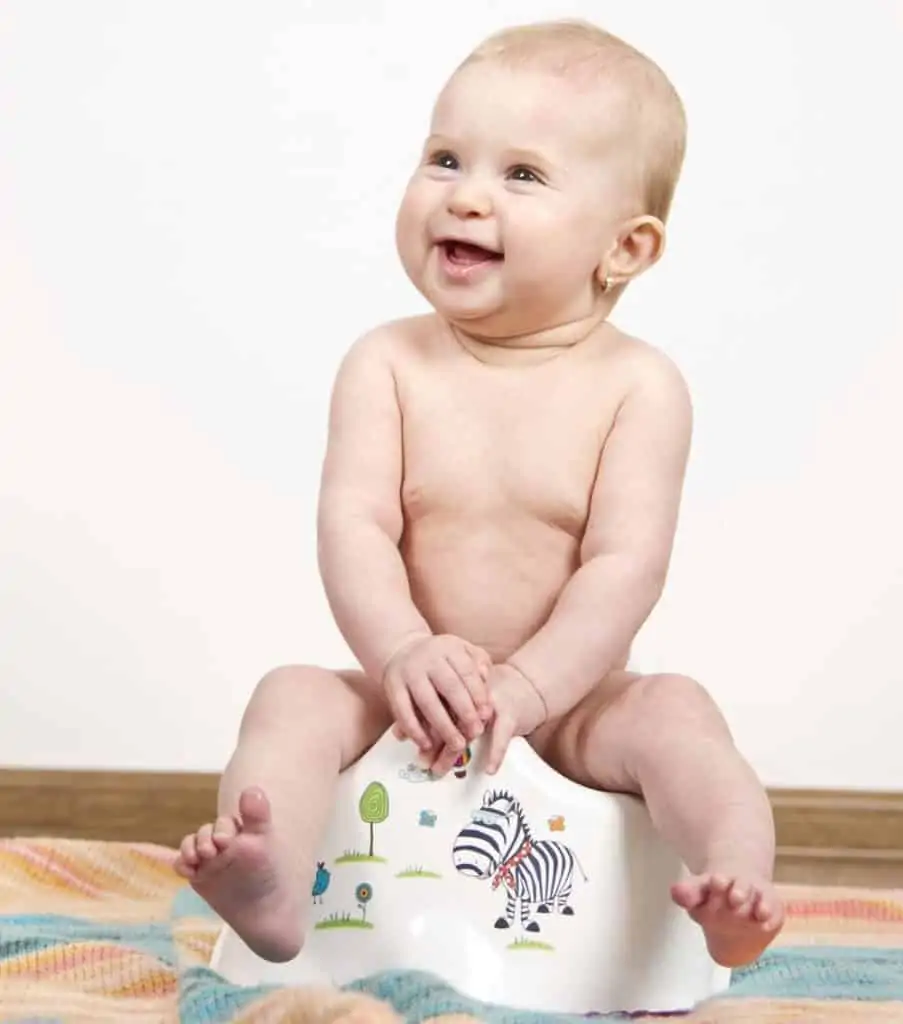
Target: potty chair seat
{"type": "Point", "coordinates": [522, 889]}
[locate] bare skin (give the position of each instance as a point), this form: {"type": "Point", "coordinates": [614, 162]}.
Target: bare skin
{"type": "Point", "coordinates": [488, 526]}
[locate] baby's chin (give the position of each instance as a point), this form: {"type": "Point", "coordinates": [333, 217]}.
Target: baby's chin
{"type": "Point", "coordinates": [470, 312]}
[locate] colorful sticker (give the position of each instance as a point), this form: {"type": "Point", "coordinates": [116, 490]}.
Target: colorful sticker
{"type": "Point", "coordinates": [363, 894]}
{"type": "Point", "coordinates": [556, 823]}
{"type": "Point", "coordinates": [427, 819]}
{"type": "Point", "coordinates": [373, 807]}
{"type": "Point", "coordinates": [537, 874]}
{"type": "Point", "coordinates": [531, 945]}
{"type": "Point", "coordinates": [460, 766]}
{"type": "Point", "coordinates": [321, 882]}
{"type": "Point", "coordinates": [414, 773]}
{"type": "Point", "coordinates": [417, 871]}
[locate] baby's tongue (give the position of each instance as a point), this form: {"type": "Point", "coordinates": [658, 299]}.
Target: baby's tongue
{"type": "Point", "coordinates": [464, 252]}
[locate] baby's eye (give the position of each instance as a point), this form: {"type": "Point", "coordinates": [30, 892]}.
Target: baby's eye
{"type": "Point", "coordinates": [523, 173]}
{"type": "Point", "coordinates": [442, 158]}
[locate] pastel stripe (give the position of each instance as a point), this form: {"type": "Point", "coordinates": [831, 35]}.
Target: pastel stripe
{"type": "Point", "coordinates": [93, 967]}
{"type": "Point", "coordinates": [882, 910]}
{"type": "Point", "coordinates": [52, 872]}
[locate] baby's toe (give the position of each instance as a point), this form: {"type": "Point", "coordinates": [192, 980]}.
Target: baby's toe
{"type": "Point", "coordinates": [224, 831]}
{"type": "Point", "coordinates": [768, 912]}
{"type": "Point", "coordinates": [719, 885]}
{"type": "Point", "coordinates": [205, 845]}
{"type": "Point", "coordinates": [743, 900]}
{"type": "Point", "coordinates": [188, 851]}
{"type": "Point", "coordinates": [690, 893]}
{"type": "Point", "coordinates": [753, 900]}
{"type": "Point", "coordinates": [717, 897]}
{"type": "Point", "coordinates": [184, 870]}
{"type": "Point", "coordinates": [737, 896]}
{"type": "Point", "coordinates": [749, 905]}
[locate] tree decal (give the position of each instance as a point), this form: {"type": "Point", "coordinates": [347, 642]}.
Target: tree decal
{"type": "Point", "coordinates": [374, 807]}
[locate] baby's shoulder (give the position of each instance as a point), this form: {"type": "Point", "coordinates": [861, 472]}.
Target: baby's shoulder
{"type": "Point", "coordinates": [397, 340]}
{"type": "Point", "coordinates": [637, 365]}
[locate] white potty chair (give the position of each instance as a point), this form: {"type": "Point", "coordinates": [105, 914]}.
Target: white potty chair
{"type": "Point", "coordinates": [523, 889]}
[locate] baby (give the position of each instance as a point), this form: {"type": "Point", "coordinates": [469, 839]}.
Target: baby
{"type": "Point", "coordinates": [499, 499]}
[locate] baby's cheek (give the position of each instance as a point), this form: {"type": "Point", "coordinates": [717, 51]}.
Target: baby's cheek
{"type": "Point", "coordinates": [413, 211]}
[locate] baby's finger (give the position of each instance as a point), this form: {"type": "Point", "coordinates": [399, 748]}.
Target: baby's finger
{"type": "Point", "coordinates": [468, 670]}
{"type": "Point", "coordinates": [481, 659]}
{"type": "Point", "coordinates": [433, 710]}
{"type": "Point", "coordinates": [427, 758]}
{"type": "Point", "coordinates": [445, 761]}
{"type": "Point", "coordinates": [405, 715]}
{"type": "Point", "coordinates": [484, 669]}
{"type": "Point", "coordinates": [454, 691]}
{"type": "Point", "coordinates": [500, 736]}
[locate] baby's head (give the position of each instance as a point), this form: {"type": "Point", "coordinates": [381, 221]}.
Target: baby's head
{"type": "Point", "coordinates": [553, 155]}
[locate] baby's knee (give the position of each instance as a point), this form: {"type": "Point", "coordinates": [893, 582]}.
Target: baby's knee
{"type": "Point", "coordinates": [287, 691]}
{"type": "Point", "coordinates": [667, 702]}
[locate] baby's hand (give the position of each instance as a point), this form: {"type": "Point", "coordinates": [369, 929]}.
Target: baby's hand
{"type": "Point", "coordinates": [519, 710]}
{"type": "Point", "coordinates": [437, 685]}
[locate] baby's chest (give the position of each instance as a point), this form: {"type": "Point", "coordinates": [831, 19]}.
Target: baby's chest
{"type": "Point", "coordinates": [482, 456]}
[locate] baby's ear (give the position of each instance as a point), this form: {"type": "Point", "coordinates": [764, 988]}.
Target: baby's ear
{"type": "Point", "coordinates": [639, 245]}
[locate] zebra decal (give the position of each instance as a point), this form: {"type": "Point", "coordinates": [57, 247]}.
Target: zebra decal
{"type": "Point", "coordinates": [537, 874]}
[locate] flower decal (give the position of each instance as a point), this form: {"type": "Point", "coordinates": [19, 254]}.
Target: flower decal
{"type": "Point", "coordinates": [363, 894]}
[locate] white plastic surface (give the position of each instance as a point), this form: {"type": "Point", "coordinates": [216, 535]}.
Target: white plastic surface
{"type": "Point", "coordinates": [411, 878]}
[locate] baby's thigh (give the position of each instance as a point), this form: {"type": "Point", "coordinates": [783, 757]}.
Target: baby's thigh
{"type": "Point", "coordinates": [317, 706]}
{"type": "Point", "coordinates": [627, 725]}
{"type": "Point", "coordinates": [570, 743]}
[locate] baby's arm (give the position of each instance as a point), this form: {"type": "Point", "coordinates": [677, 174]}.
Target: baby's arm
{"type": "Point", "coordinates": [431, 682]}
{"type": "Point", "coordinates": [359, 521]}
{"type": "Point", "coordinates": [627, 545]}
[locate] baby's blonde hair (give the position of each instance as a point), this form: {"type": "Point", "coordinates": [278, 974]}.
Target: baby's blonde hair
{"type": "Point", "coordinates": [584, 51]}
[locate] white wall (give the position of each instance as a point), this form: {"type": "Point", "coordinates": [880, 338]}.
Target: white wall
{"type": "Point", "coordinates": [196, 218]}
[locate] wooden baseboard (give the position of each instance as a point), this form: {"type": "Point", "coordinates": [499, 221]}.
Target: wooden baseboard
{"type": "Point", "coordinates": [828, 837]}
{"type": "Point", "coordinates": [837, 837]}
{"type": "Point", "coordinates": [154, 807]}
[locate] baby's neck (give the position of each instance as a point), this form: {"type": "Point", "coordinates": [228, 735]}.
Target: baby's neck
{"type": "Point", "coordinates": [527, 349]}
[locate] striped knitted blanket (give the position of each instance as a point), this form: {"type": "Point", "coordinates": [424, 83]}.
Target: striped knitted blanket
{"type": "Point", "coordinates": [105, 932]}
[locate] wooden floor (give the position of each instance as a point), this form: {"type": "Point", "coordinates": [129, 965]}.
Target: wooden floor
{"type": "Point", "coordinates": [825, 837]}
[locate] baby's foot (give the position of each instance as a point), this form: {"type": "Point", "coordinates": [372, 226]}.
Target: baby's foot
{"type": "Point", "coordinates": [740, 918]}
{"type": "Point", "coordinates": [230, 864]}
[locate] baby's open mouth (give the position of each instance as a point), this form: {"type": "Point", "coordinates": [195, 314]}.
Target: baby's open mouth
{"type": "Point", "coordinates": [467, 254]}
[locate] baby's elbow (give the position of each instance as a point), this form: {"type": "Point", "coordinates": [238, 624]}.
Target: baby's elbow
{"type": "Point", "coordinates": [652, 574]}
{"type": "Point", "coordinates": [343, 518]}
{"type": "Point", "coordinates": [646, 573]}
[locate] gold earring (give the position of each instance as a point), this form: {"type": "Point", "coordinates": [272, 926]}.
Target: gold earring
{"type": "Point", "coordinates": [607, 284]}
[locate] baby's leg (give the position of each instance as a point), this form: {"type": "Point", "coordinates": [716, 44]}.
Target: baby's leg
{"type": "Point", "coordinates": [662, 737]}
{"type": "Point", "coordinates": [254, 865]}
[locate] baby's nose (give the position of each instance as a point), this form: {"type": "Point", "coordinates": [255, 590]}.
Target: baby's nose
{"type": "Point", "coordinates": [469, 197]}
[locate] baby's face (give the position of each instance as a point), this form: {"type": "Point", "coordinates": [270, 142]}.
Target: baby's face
{"type": "Point", "coordinates": [524, 183]}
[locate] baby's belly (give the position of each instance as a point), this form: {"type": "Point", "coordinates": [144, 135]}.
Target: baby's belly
{"type": "Point", "coordinates": [492, 583]}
